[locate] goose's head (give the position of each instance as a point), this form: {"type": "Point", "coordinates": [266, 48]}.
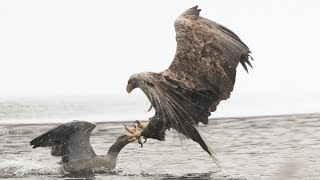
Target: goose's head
{"type": "Point", "coordinates": [120, 143]}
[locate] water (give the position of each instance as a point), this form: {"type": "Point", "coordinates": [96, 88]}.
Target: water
{"type": "Point", "coordinates": [35, 110]}
{"type": "Point", "coordinates": [268, 147]}
{"type": "Point", "coordinates": [106, 108]}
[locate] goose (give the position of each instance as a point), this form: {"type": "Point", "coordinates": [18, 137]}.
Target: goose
{"type": "Point", "coordinates": [71, 141]}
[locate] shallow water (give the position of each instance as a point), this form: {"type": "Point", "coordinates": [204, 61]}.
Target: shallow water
{"type": "Point", "coordinates": [278, 147]}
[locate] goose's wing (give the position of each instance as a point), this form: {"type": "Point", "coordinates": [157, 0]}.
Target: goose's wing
{"type": "Point", "coordinates": [70, 140]}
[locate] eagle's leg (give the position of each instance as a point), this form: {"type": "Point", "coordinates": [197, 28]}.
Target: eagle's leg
{"type": "Point", "coordinates": [134, 133]}
{"type": "Point", "coordinates": [141, 126]}
{"type": "Point", "coordinates": [131, 131]}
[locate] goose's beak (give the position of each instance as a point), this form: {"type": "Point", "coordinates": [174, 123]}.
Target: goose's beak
{"type": "Point", "coordinates": [131, 138]}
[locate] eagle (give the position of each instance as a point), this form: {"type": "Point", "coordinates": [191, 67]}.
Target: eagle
{"type": "Point", "coordinates": [202, 73]}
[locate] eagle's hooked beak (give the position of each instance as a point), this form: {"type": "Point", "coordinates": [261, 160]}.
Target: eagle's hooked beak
{"type": "Point", "coordinates": [129, 88]}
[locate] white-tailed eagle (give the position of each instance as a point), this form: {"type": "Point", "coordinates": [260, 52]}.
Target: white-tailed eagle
{"type": "Point", "coordinates": [201, 74]}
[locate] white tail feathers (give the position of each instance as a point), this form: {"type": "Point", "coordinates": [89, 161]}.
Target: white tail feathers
{"type": "Point", "coordinates": [212, 151]}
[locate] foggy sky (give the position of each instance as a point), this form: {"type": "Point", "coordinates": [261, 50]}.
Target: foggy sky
{"type": "Point", "coordinates": [92, 47]}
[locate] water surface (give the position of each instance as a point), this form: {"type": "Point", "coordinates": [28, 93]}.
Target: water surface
{"type": "Point", "coordinates": [274, 147]}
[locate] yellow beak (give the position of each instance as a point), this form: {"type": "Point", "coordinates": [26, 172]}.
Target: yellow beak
{"type": "Point", "coordinates": [129, 88]}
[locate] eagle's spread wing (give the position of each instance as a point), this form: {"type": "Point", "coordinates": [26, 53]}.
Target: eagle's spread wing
{"type": "Point", "coordinates": [207, 56]}
{"type": "Point", "coordinates": [201, 75]}
{"type": "Point", "coordinates": [69, 140]}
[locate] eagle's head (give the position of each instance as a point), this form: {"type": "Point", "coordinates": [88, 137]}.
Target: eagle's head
{"type": "Point", "coordinates": [133, 82]}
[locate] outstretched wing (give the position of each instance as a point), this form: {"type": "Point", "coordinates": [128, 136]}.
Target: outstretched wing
{"type": "Point", "coordinates": [207, 55]}
{"type": "Point", "coordinates": [69, 140]}
{"type": "Point", "coordinates": [201, 75]}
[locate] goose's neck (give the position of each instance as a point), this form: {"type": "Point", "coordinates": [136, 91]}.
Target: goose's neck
{"type": "Point", "coordinates": [115, 149]}
{"type": "Point", "coordinates": [112, 156]}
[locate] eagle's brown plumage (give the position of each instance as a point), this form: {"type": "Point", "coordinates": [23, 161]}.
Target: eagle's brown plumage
{"type": "Point", "coordinates": [202, 74]}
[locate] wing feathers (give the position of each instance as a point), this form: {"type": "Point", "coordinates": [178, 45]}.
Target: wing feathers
{"type": "Point", "coordinates": [210, 150]}
{"type": "Point", "coordinates": [69, 140]}
{"type": "Point", "coordinates": [207, 56]}
{"type": "Point", "coordinates": [192, 11]}
{"type": "Point", "coordinates": [170, 105]}
{"type": "Point", "coordinates": [202, 73]}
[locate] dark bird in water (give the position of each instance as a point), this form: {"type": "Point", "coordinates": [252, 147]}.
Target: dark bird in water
{"type": "Point", "coordinates": [202, 73]}
{"type": "Point", "coordinates": [71, 141]}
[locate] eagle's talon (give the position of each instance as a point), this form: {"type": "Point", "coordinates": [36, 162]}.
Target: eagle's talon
{"type": "Point", "coordinates": [134, 132]}
{"type": "Point", "coordinates": [140, 125]}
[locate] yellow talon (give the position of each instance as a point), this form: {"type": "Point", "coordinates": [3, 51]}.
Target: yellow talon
{"type": "Point", "coordinates": [135, 133]}
{"type": "Point", "coordinates": [140, 125]}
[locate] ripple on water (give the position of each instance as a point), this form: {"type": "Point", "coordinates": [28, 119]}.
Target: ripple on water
{"type": "Point", "coordinates": [248, 148]}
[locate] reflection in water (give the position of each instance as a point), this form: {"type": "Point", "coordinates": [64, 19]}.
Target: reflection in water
{"type": "Point", "coordinates": [280, 147]}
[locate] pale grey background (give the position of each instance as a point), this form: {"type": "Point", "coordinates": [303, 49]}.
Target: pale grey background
{"type": "Point", "coordinates": [55, 48]}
